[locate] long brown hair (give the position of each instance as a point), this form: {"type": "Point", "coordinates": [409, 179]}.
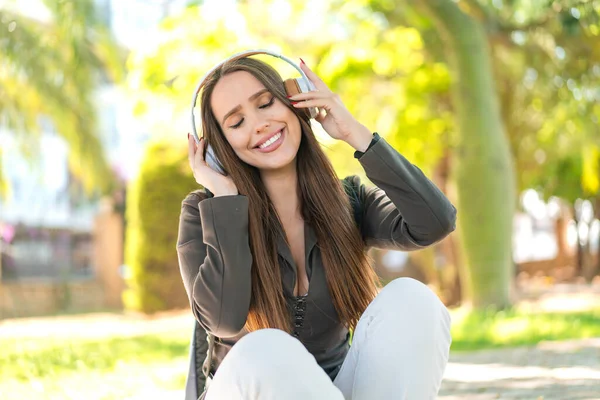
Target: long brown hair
{"type": "Point", "coordinates": [325, 206]}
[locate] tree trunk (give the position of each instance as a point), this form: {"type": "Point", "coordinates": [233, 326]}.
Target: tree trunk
{"type": "Point", "coordinates": [578, 248]}
{"type": "Point", "coordinates": [449, 280]}
{"type": "Point", "coordinates": [597, 216]}
{"type": "Point", "coordinates": [482, 163]}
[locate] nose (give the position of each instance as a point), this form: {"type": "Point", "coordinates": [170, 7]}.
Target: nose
{"type": "Point", "coordinates": [261, 125]}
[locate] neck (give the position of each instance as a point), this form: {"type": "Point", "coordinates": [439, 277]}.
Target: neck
{"type": "Point", "coordinates": [282, 188]}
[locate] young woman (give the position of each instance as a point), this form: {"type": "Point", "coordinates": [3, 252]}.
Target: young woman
{"type": "Point", "coordinates": [273, 254]}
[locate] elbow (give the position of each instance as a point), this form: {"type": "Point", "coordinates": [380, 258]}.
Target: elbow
{"type": "Point", "coordinates": [447, 223]}
{"type": "Point", "coordinates": [225, 325]}
{"type": "Point", "coordinates": [229, 328]}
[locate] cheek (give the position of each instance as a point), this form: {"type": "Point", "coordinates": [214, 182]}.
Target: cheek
{"type": "Point", "coordinates": [239, 142]}
{"type": "Point", "coordinates": [287, 115]}
{"type": "Point", "coordinates": [295, 126]}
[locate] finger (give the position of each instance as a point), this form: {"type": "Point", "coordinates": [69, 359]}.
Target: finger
{"type": "Point", "coordinates": [200, 151]}
{"type": "Point", "coordinates": [314, 94]}
{"type": "Point", "coordinates": [321, 114]}
{"type": "Point", "coordinates": [191, 149]}
{"type": "Point", "coordinates": [314, 78]}
{"type": "Point", "coordinates": [319, 103]}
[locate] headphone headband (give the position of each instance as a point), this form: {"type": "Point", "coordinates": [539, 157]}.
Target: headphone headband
{"type": "Point", "coordinates": [235, 57]}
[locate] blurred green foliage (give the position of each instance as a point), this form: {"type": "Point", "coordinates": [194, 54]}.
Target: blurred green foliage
{"type": "Point", "coordinates": [547, 57]}
{"type": "Point", "coordinates": [386, 86]}
{"type": "Point", "coordinates": [388, 60]}
{"type": "Point", "coordinates": [153, 208]}
{"type": "Point", "coordinates": [49, 72]}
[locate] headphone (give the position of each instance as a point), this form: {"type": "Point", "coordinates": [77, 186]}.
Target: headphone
{"type": "Point", "coordinates": [292, 87]}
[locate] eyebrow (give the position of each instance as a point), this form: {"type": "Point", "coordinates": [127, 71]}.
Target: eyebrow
{"type": "Point", "coordinates": [238, 107]}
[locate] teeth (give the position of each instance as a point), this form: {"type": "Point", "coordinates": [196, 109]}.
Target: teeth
{"type": "Point", "coordinates": [270, 141]}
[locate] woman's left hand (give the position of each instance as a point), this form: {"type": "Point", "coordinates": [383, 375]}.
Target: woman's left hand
{"type": "Point", "coordinates": [333, 114]}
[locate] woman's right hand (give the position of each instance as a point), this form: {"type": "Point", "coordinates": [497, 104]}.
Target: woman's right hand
{"type": "Point", "coordinates": [219, 185]}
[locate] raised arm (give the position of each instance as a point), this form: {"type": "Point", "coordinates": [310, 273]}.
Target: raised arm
{"type": "Point", "coordinates": [215, 261]}
{"type": "Point", "coordinates": [405, 210]}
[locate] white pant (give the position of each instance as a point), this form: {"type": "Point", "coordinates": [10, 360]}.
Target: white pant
{"type": "Point", "coordinates": [399, 351]}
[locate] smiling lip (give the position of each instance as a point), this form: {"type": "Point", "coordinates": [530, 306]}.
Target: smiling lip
{"type": "Point", "coordinates": [273, 146]}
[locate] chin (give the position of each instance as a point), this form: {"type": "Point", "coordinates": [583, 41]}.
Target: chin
{"type": "Point", "coordinates": [279, 164]}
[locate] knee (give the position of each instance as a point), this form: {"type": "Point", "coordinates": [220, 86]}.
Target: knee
{"type": "Point", "coordinates": [406, 296]}
{"type": "Point", "coordinates": [270, 364]}
{"type": "Point", "coordinates": [255, 344]}
{"type": "Point", "coordinates": [409, 288]}
{"type": "Point", "coordinates": [264, 351]}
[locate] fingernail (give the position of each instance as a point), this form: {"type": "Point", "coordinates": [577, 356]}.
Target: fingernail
{"type": "Point", "coordinates": [302, 61]}
{"type": "Point", "coordinates": [188, 136]}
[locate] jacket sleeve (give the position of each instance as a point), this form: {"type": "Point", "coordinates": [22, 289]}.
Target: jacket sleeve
{"type": "Point", "coordinates": [215, 261]}
{"type": "Point", "coordinates": [405, 210]}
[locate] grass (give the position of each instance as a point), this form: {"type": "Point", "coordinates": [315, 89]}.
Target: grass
{"type": "Point", "coordinates": [145, 366]}
{"type": "Point", "coordinates": [509, 328]}
{"type": "Point", "coordinates": [150, 366]}
{"type": "Point", "coordinates": [34, 359]}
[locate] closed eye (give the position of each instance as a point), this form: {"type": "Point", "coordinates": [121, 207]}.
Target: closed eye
{"type": "Point", "coordinates": [269, 104]}
{"type": "Point", "coordinates": [238, 124]}
{"type": "Point", "coordinates": [263, 106]}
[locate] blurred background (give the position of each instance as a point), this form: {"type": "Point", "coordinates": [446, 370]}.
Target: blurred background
{"type": "Point", "coordinates": [498, 101]}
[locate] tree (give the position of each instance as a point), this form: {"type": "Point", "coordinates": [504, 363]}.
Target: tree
{"type": "Point", "coordinates": [49, 72]}
{"type": "Point", "coordinates": [544, 66]}
{"type": "Point", "coordinates": [483, 169]}
{"type": "Point", "coordinates": [390, 65]}
{"type": "Point", "coordinates": [547, 72]}
{"type": "Point", "coordinates": [547, 69]}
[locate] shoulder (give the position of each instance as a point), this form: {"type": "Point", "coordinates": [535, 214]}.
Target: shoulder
{"type": "Point", "coordinates": [195, 197]}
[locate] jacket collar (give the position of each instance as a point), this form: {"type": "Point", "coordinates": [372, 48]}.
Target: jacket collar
{"type": "Point", "coordinates": [310, 240]}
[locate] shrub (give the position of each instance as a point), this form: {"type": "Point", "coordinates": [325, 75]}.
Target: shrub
{"type": "Point", "coordinates": [152, 218]}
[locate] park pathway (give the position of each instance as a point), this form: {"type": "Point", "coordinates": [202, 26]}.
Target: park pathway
{"type": "Point", "coordinates": [568, 370]}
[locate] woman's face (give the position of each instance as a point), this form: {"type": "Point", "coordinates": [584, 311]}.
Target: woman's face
{"type": "Point", "coordinates": [262, 131]}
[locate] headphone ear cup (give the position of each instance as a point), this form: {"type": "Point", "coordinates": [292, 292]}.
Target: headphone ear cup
{"type": "Point", "coordinates": [211, 159]}
{"type": "Point", "coordinates": [304, 88]}
{"type": "Point", "coordinates": [296, 86]}
{"type": "Point", "coordinates": [303, 85]}
{"type": "Point", "coordinates": [291, 87]}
